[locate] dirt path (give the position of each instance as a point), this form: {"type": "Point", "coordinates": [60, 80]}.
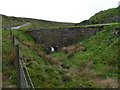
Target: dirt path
{"type": "Point", "coordinates": [17, 27]}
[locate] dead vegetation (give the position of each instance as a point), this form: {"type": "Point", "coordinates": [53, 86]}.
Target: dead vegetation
{"type": "Point", "coordinates": [70, 50]}
{"type": "Point", "coordinates": [108, 82]}
{"type": "Point", "coordinates": [5, 75]}
{"type": "Point", "coordinates": [85, 67]}
{"type": "Point", "coordinates": [7, 86]}
{"type": "Point", "coordinates": [85, 71]}
{"type": "Point", "coordinates": [27, 44]}
{"type": "Point", "coordinates": [51, 59]}
{"type": "Point", "coordinates": [26, 59]}
{"type": "Point", "coordinates": [8, 36]}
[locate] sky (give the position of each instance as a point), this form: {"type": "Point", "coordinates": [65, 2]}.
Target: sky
{"type": "Point", "coordinates": [55, 10]}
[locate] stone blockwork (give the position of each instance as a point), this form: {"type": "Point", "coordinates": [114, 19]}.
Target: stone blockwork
{"type": "Point", "coordinates": [59, 38]}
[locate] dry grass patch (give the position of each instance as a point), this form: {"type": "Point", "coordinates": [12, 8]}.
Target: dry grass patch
{"type": "Point", "coordinates": [51, 59]}
{"type": "Point", "coordinates": [27, 44]}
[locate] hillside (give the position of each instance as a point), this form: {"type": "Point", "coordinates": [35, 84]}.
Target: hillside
{"type": "Point", "coordinates": [35, 23]}
{"type": "Point", "coordinates": [83, 57]}
{"type": "Point", "coordinates": [106, 16]}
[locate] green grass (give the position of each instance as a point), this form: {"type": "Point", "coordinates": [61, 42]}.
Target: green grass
{"type": "Point", "coordinates": [106, 14]}
{"type": "Point", "coordinates": [35, 23]}
{"type": "Point", "coordinates": [6, 58]}
{"type": "Point", "coordinates": [102, 48]}
{"type": "Point", "coordinates": [43, 74]}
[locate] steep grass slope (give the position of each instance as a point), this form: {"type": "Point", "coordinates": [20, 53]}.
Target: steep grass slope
{"type": "Point", "coordinates": [106, 16]}
{"type": "Point", "coordinates": [100, 60]}
{"type": "Point", "coordinates": [84, 69]}
{"type": "Point", "coordinates": [43, 74]}
{"type": "Point", "coordinates": [95, 66]}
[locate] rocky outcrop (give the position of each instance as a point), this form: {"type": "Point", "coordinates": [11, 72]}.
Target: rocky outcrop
{"type": "Point", "coordinates": [59, 38]}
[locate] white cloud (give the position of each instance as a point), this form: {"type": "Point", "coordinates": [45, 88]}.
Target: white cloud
{"type": "Point", "coordinates": [55, 10]}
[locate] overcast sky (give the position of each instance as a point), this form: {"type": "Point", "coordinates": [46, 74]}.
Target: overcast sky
{"type": "Point", "coordinates": [55, 10]}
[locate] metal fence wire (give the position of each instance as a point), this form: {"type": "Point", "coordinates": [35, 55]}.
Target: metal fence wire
{"type": "Point", "coordinates": [22, 75]}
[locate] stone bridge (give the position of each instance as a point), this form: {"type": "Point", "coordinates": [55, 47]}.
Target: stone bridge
{"type": "Point", "coordinates": [59, 38]}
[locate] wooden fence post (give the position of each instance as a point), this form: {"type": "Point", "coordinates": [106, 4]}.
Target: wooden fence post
{"type": "Point", "coordinates": [13, 41]}
{"type": "Point", "coordinates": [21, 78]}
{"type": "Point", "coordinates": [17, 65]}
{"type": "Point", "coordinates": [11, 34]}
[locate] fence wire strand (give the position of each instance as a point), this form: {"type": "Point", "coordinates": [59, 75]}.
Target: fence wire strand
{"type": "Point", "coordinates": [23, 73]}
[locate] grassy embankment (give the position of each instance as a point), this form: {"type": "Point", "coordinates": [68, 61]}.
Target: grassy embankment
{"type": "Point", "coordinates": [101, 49]}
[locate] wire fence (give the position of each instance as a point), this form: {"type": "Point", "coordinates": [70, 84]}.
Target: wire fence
{"type": "Point", "coordinates": [22, 75]}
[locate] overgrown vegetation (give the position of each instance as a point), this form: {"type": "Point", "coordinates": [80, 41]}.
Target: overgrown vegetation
{"type": "Point", "coordinates": [43, 74]}
{"type": "Point", "coordinates": [102, 49]}
{"type": "Point", "coordinates": [79, 68]}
